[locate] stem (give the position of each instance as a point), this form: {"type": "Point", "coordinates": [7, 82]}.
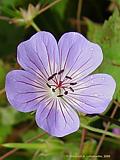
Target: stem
{"type": "Point", "coordinates": [108, 139]}
{"type": "Point", "coordinates": [5, 18]}
{"type": "Point", "coordinates": [82, 142]}
{"type": "Point", "coordinates": [106, 128]}
{"type": "Point", "coordinates": [117, 103]}
{"type": "Point", "coordinates": [16, 149]}
{"type": "Point", "coordinates": [99, 131]}
{"type": "Point", "coordinates": [33, 24]}
{"type": "Point", "coordinates": [108, 119]}
{"type": "Point", "coordinates": [49, 6]}
{"type": "Point", "coordinates": [79, 9]}
{"type": "Point", "coordinates": [36, 154]}
{"type": "Point", "coordinates": [8, 154]}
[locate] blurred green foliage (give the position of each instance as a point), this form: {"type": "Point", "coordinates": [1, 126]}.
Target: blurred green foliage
{"type": "Point", "coordinates": [108, 37]}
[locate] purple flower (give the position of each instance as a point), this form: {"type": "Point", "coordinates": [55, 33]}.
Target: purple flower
{"type": "Point", "coordinates": [116, 131]}
{"type": "Point", "coordinates": [55, 81]}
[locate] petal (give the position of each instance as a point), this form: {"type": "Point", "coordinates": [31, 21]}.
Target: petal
{"type": "Point", "coordinates": [78, 56]}
{"type": "Point", "coordinates": [57, 118]}
{"type": "Point", "coordinates": [93, 94]}
{"type": "Point", "coordinates": [24, 90]}
{"type": "Point", "coordinates": [39, 54]}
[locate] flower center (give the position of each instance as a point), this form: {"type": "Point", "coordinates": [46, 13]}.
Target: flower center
{"type": "Point", "coordinates": [58, 86]}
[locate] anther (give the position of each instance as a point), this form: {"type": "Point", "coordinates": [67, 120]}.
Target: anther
{"type": "Point", "coordinates": [71, 89]}
{"type": "Point", "coordinates": [54, 74]}
{"type": "Point", "coordinates": [60, 95]}
{"type": "Point", "coordinates": [66, 92]}
{"type": "Point", "coordinates": [68, 77]}
{"type": "Point", "coordinates": [48, 85]}
{"type": "Point", "coordinates": [51, 77]}
{"type": "Point", "coordinates": [73, 83]}
{"type": "Point", "coordinates": [53, 89]}
{"type": "Point", "coordinates": [61, 71]}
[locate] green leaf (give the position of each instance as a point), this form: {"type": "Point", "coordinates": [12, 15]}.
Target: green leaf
{"type": "Point", "coordinates": [87, 120]}
{"type": "Point", "coordinates": [4, 131]}
{"type": "Point", "coordinates": [7, 115]}
{"type": "Point", "coordinates": [3, 72]}
{"type": "Point", "coordinates": [108, 37]}
{"type": "Point", "coordinates": [24, 145]}
{"type": "Point", "coordinates": [117, 1]}
{"type": "Point", "coordinates": [50, 146]}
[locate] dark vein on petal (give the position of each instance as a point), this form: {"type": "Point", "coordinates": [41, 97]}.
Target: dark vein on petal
{"type": "Point", "coordinates": [54, 66]}
{"type": "Point", "coordinates": [37, 67]}
{"type": "Point", "coordinates": [46, 118]}
{"type": "Point", "coordinates": [48, 59]}
{"type": "Point", "coordinates": [39, 75]}
{"type": "Point", "coordinates": [84, 95]}
{"type": "Point", "coordinates": [78, 105]}
{"type": "Point", "coordinates": [29, 84]}
{"type": "Point", "coordinates": [37, 82]}
{"type": "Point", "coordinates": [73, 64]}
{"type": "Point", "coordinates": [56, 112]}
{"type": "Point", "coordinates": [42, 64]}
{"type": "Point", "coordinates": [46, 97]}
{"type": "Point", "coordinates": [90, 79]}
{"type": "Point", "coordinates": [81, 72]}
{"type": "Point", "coordinates": [65, 107]}
{"type": "Point", "coordinates": [30, 92]}
{"type": "Point", "coordinates": [63, 114]}
{"type": "Point", "coordinates": [83, 102]}
{"type": "Point", "coordinates": [50, 109]}
{"type": "Point", "coordinates": [90, 86]}
{"type": "Point", "coordinates": [81, 67]}
{"type": "Point", "coordinates": [49, 101]}
{"type": "Point", "coordinates": [67, 56]}
{"type": "Point", "coordinates": [35, 99]}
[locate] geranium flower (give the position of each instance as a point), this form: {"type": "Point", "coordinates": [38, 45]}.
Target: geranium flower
{"type": "Point", "coordinates": [54, 81]}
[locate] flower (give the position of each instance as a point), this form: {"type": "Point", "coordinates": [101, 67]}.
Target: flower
{"type": "Point", "coordinates": [116, 131]}
{"type": "Point", "coordinates": [25, 17]}
{"type": "Point", "coordinates": [56, 83]}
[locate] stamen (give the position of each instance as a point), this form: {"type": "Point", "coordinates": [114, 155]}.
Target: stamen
{"type": "Point", "coordinates": [73, 83]}
{"type": "Point", "coordinates": [51, 77]}
{"type": "Point", "coordinates": [54, 74]}
{"type": "Point", "coordinates": [68, 77]}
{"type": "Point", "coordinates": [48, 85]}
{"type": "Point", "coordinates": [71, 89]}
{"type": "Point", "coordinates": [53, 89]}
{"type": "Point", "coordinates": [60, 95]}
{"type": "Point", "coordinates": [66, 92]}
{"type": "Point", "coordinates": [61, 71]}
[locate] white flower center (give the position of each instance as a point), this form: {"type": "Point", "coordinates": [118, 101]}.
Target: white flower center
{"type": "Point", "coordinates": [58, 87]}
